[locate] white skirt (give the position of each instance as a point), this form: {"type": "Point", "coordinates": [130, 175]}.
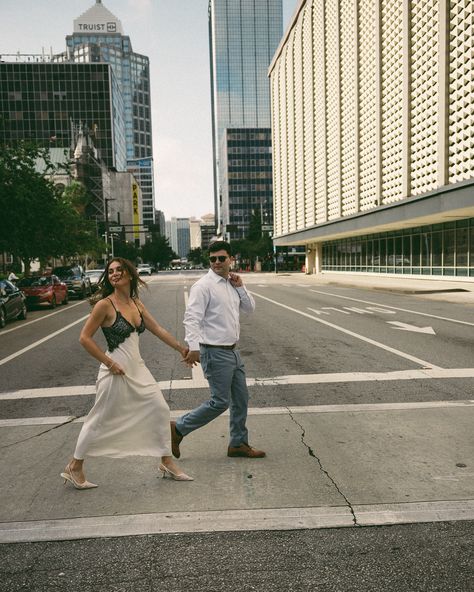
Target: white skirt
{"type": "Point", "coordinates": [130, 416]}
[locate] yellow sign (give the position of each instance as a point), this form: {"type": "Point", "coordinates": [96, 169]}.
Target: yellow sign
{"type": "Point", "coordinates": [136, 213]}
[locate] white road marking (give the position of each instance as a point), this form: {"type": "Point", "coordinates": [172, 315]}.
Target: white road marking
{"type": "Point", "coordinates": [51, 314]}
{"type": "Point", "coordinates": [235, 520]}
{"type": "Point", "coordinates": [335, 377]}
{"type": "Point", "coordinates": [40, 341]}
{"type": "Point", "coordinates": [413, 328]}
{"type": "Point", "coordinates": [258, 411]}
{"type": "Point", "coordinates": [392, 350]}
{"type": "Point", "coordinates": [425, 314]}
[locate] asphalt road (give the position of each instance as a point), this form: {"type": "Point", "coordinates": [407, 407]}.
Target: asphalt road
{"type": "Point", "coordinates": [362, 399]}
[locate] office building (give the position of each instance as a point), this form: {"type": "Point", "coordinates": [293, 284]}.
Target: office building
{"type": "Point", "coordinates": [98, 36]}
{"type": "Point", "coordinates": [208, 231]}
{"type": "Point", "coordinates": [47, 102]}
{"type": "Point", "coordinates": [373, 135]}
{"type": "Point", "coordinates": [243, 36]}
{"type": "Point", "coordinates": [178, 235]}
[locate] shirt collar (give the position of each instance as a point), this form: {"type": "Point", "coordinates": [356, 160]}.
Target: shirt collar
{"type": "Point", "coordinates": [214, 276]}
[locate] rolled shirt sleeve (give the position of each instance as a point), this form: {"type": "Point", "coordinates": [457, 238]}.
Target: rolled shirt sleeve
{"type": "Point", "coordinates": [247, 303]}
{"type": "Point", "coordinates": [194, 316]}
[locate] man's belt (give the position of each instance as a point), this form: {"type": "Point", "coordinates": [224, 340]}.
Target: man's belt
{"type": "Point", "coordinates": [218, 346]}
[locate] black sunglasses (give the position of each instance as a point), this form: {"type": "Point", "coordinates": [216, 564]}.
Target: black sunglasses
{"type": "Point", "coordinates": [214, 258]}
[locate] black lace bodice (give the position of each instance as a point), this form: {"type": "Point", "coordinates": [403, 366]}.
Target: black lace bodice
{"type": "Point", "coordinates": [118, 332]}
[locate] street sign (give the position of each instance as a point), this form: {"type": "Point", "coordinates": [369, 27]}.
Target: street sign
{"type": "Point", "coordinates": [115, 229]}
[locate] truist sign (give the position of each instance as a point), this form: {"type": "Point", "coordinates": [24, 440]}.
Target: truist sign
{"type": "Point", "coordinates": [109, 27]}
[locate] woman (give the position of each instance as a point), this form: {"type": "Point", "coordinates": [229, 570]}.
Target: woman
{"type": "Point", "coordinates": [130, 415]}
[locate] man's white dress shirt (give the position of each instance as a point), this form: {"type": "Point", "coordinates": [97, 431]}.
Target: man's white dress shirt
{"type": "Point", "coordinates": [213, 311]}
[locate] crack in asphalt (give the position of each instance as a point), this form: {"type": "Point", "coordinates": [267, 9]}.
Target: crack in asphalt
{"type": "Point", "coordinates": [313, 455]}
{"type": "Point", "coordinates": [55, 427]}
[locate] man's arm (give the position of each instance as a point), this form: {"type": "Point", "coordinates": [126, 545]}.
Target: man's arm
{"type": "Point", "coordinates": [247, 303]}
{"type": "Point", "coordinates": [193, 317]}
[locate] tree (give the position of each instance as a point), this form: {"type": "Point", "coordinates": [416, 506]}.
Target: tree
{"type": "Point", "coordinates": [197, 257]}
{"type": "Point", "coordinates": [158, 251]}
{"type": "Point", "coordinates": [37, 221]}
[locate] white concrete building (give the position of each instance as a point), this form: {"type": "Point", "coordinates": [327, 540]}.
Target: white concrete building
{"type": "Point", "coordinates": [373, 136]}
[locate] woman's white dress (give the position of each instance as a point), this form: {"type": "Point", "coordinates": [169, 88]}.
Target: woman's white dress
{"type": "Point", "coordinates": [130, 416]}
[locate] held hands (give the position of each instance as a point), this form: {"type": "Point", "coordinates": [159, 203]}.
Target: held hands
{"type": "Point", "coordinates": [235, 280]}
{"type": "Point", "coordinates": [192, 358]}
{"type": "Point", "coordinates": [184, 351]}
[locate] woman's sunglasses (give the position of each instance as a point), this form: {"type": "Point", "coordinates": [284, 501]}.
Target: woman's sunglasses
{"type": "Point", "coordinates": [214, 258]}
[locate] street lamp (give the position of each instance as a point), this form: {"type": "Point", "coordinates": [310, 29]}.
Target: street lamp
{"type": "Point", "coordinates": [106, 211]}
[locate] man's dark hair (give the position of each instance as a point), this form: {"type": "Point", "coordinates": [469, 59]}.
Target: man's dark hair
{"type": "Point", "coordinates": [220, 246]}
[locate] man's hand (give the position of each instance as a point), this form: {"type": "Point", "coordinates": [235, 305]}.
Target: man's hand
{"type": "Point", "coordinates": [192, 358]}
{"type": "Point", "coordinates": [235, 280]}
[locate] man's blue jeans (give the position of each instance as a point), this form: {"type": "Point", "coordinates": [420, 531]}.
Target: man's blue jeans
{"type": "Point", "coordinates": [225, 373]}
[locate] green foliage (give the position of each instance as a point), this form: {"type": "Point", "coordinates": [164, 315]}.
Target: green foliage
{"type": "Point", "coordinates": [158, 251]}
{"type": "Point", "coordinates": [197, 257]}
{"type": "Point", "coordinates": [37, 221]}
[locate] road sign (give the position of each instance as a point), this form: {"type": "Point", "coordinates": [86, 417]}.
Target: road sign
{"type": "Point", "coordinates": [115, 228]}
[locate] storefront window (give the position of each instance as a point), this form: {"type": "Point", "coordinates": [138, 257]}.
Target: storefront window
{"type": "Point", "coordinates": [442, 249]}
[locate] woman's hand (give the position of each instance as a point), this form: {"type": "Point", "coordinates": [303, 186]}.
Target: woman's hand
{"type": "Point", "coordinates": [183, 350]}
{"type": "Point", "coordinates": [114, 368]}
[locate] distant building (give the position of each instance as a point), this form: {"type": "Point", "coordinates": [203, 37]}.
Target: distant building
{"type": "Point", "coordinates": [178, 235]}
{"type": "Point", "coordinates": [48, 102]}
{"type": "Point", "coordinates": [194, 233]}
{"type": "Point", "coordinates": [373, 135]}
{"type": "Point", "coordinates": [243, 37]}
{"type": "Point", "coordinates": [208, 231]}
{"type": "Point", "coordinates": [98, 36]}
{"type": "Point", "coordinates": [160, 222]}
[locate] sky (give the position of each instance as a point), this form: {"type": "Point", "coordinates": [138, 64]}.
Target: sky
{"type": "Point", "coordinates": [174, 35]}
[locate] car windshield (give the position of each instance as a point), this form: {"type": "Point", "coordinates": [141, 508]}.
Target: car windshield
{"type": "Point", "coordinates": [64, 272]}
{"type": "Point", "coordinates": [34, 282]}
{"type": "Point", "coordinates": [94, 273]}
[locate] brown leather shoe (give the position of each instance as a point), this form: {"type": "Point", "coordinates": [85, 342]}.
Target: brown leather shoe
{"type": "Point", "coordinates": [246, 451]}
{"type": "Point", "coordinates": [175, 440]}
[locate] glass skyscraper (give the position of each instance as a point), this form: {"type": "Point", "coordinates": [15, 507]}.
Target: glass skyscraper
{"type": "Point", "coordinates": [243, 37]}
{"type": "Point", "coordinates": [98, 37]}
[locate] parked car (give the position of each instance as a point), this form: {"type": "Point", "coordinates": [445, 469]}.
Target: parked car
{"type": "Point", "coordinates": [143, 268]}
{"type": "Point", "coordinates": [94, 276]}
{"type": "Point", "coordinates": [45, 289]}
{"type": "Point", "coordinates": [77, 282]}
{"type": "Point", "coordinates": [12, 303]}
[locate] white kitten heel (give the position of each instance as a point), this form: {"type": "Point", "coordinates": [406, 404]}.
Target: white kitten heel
{"type": "Point", "coordinates": [68, 476]}
{"type": "Point", "coordinates": [168, 474]}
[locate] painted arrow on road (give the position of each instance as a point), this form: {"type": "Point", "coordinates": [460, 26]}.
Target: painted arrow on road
{"type": "Point", "coordinates": [414, 328]}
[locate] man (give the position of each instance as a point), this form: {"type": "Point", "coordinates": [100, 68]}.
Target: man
{"type": "Point", "coordinates": [212, 329]}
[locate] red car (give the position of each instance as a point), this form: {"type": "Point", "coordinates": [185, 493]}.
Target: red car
{"type": "Point", "coordinates": [47, 289]}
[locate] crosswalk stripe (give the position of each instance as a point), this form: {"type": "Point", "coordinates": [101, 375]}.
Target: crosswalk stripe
{"type": "Point", "coordinates": [201, 382]}
{"type": "Point", "coordinates": [235, 520]}
{"type": "Point", "coordinates": [254, 411]}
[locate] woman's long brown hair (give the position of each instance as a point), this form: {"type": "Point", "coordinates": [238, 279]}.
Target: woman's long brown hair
{"type": "Point", "coordinates": [106, 288]}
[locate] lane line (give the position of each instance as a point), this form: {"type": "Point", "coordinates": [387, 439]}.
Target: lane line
{"type": "Point", "coordinates": [258, 411]}
{"type": "Point", "coordinates": [343, 377]}
{"type": "Point", "coordinates": [235, 520]}
{"type": "Point", "coordinates": [5, 331]}
{"type": "Point", "coordinates": [40, 341]}
{"type": "Point", "coordinates": [424, 314]}
{"type": "Point", "coordinates": [392, 350]}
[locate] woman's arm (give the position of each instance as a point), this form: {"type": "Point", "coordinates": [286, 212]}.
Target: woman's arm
{"type": "Point", "coordinates": [96, 319]}
{"type": "Point", "coordinates": [160, 332]}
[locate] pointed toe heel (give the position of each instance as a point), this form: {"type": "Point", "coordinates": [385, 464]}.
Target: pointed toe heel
{"type": "Point", "coordinates": [68, 477]}
{"type": "Point", "coordinates": [168, 474]}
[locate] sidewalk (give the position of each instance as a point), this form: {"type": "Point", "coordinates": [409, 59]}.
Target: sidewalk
{"type": "Point", "coordinates": [457, 290]}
